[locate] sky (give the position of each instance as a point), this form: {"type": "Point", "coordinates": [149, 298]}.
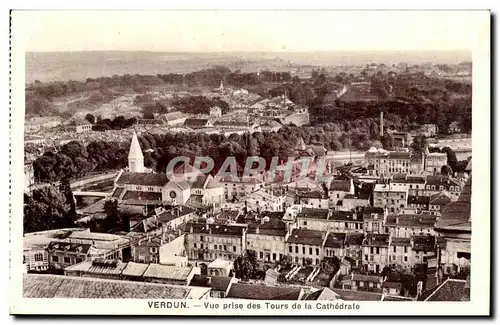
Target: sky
{"type": "Point", "coordinates": [275, 31]}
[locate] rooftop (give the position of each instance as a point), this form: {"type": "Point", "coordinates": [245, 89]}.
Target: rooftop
{"type": "Point", "coordinates": [263, 292]}
{"type": "Point", "coordinates": [449, 290]}
{"type": "Point", "coordinates": [178, 273]}
{"type": "Point", "coordinates": [306, 237]}
{"type": "Point", "coordinates": [457, 215]}
{"type": "Point", "coordinates": [135, 269]}
{"type": "Point", "coordinates": [57, 286]}
{"type": "Point", "coordinates": [340, 185]}
{"type": "Point", "coordinates": [376, 240]}
{"type": "Point", "coordinates": [144, 179]}
{"type": "Point", "coordinates": [216, 229]}
{"type": "Point", "coordinates": [390, 188]}
{"type": "Point", "coordinates": [314, 213]}
{"type": "Point", "coordinates": [335, 240]}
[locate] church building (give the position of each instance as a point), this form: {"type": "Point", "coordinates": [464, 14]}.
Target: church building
{"type": "Point", "coordinates": [135, 186]}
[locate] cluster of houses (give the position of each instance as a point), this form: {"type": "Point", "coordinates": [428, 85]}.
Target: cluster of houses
{"type": "Point", "coordinates": [192, 229]}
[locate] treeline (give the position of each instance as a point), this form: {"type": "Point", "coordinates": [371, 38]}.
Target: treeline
{"type": "Point", "coordinates": [118, 123]}
{"type": "Point", "coordinates": [75, 160]}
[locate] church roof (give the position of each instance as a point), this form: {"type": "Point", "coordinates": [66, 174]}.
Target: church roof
{"type": "Point", "coordinates": [144, 179]}
{"type": "Point", "coordinates": [135, 148]}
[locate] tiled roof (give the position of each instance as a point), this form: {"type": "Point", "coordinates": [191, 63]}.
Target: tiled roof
{"type": "Point", "coordinates": [220, 283]}
{"type": "Point", "coordinates": [340, 185]}
{"type": "Point", "coordinates": [399, 155]}
{"type": "Point", "coordinates": [366, 277]}
{"type": "Point", "coordinates": [456, 215]}
{"type": "Point", "coordinates": [418, 200]}
{"type": "Point", "coordinates": [439, 180]}
{"type": "Point", "coordinates": [376, 240]}
{"type": "Point", "coordinates": [400, 241]}
{"type": "Point", "coordinates": [322, 294]}
{"type": "Point", "coordinates": [442, 198]}
{"type": "Point", "coordinates": [314, 213]}
{"type": "Point", "coordinates": [215, 229]}
{"type": "Point", "coordinates": [449, 290]}
{"type": "Point", "coordinates": [424, 243]}
{"type": "Point", "coordinates": [306, 237]}
{"type": "Point", "coordinates": [263, 292]}
{"type": "Point", "coordinates": [423, 220]}
{"type": "Point", "coordinates": [335, 240]}
{"type": "Point", "coordinates": [354, 239]}
{"type": "Point", "coordinates": [99, 267]}
{"type": "Point", "coordinates": [345, 216]}
{"type": "Point", "coordinates": [311, 195]}
{"type": "Point", "coordinates": [352, 295]}
{"type": "Point", "coordinates": [179, 273]}
{"type": "Point", "coordinates": [370, 210]}
{"type": "Point", "coordinates": [196, 122]}
{"type": "Point", "coordinates": [135, 269]}
{"type": "Point", "coordinates": [140, 195]}
{"type": "Point", "coordinates": [396, 298]}
{"type": "Point", "coordinates": [57, 286]}
{"type": "Point", "coordinates": [395, 285]}
{"type": "Point", "coordinates": [143, 179]}
{"type": "Point", "coordinates": [117, 192]}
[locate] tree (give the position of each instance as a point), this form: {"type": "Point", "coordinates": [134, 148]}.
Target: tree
{"type": "Point", "coordinates": [452, 158]}
{"type": "Point", "coordinates": [89, 117]}
{"type": "Point", "coordinates": [419, 143]}
{"type": "Point", "coordinates": [113, 221]}
{"type": "Point", "coordinates": [148, 116]}
{"type": "Point", "coordinates": [387, 141]}
{"type": "Point", "coordinates": [245, 266]}
{"type": "Point", "coordinates": [46, 209]}
{"type": "Point", "coordinates": [446, 170]}
{"type": "Point", "coordinates": [65, 189]}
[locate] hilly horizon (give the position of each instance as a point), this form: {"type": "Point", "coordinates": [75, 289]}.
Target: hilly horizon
{"type": "Point", "coordinates": [64, 66]}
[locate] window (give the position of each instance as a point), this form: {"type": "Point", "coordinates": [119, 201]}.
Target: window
{"type": "Point", "coordinates": [225, 247]}
{"type": "Point", "coordinates": [371, 258]}
{"type": "Point", "coordinates": [406, 249]}
{"type": "Point", "coordinates": [310, 251]}
{"type": "Point", "coordinates": [55, 259]}
{"type": "Point", "coordinates": [317, 251]}
{"type": "Point", "coordinates": [194, 245]}
{"type": "Point", "coordinates": [317, 261]}
{"type": "Point", "coordinates": [289, 249]}
{"type": "Point", "coordinates": [201, 238]}
{"type": "Point", "coordinates": [67, 260]}
{"type": "Point", "coordinates": [378, 250]}
{"type": "Point", "coordinates": [303, 250]}
{"type": "Point", "coordinates": [153, 249]}
{"type": "Point", "coordinates": [305, 223]}
{"type": "Point", "coordinates": [371, 250]}
{"type": "Point", "coordinates": [138, 188]}
{"type": "Point", "coordinates": [38, 257]}
{"type": "Point", "coordinates": [406, 258]}
{"type": "Point", "coordinates": [150, 188]}
{"type": "Point", "coordinates": [394, 249]}
{"type": "Point", "coordinates": [274, 256]}
{"type": "Point", "coordinates": [296, 249]}
{"type": "Point", "coordinates": [366, 257]}
{"type": "Point", "coordinates": [296, 259]}
{"type": "Point", "coordinates": [261, 254]}
{"type": "Point", "coordinates": [234, 248]}
{"type": "Point", "coordinates": [201, 246]}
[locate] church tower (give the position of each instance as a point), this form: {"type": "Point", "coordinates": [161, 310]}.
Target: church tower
{"type": "Point", "coordinates": [135, 157]}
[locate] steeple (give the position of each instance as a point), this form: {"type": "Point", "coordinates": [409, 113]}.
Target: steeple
{"type": "Point", "coordinates": [221, 88]}
{"type": "Point", "coordinates": [135, 157]}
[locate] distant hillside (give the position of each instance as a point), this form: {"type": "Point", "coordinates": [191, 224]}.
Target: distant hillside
{"type": "Point", "coordinates": [63, 66]}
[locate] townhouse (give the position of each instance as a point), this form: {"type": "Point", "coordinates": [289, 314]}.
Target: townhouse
{"type": "Point", "coordinates": [373, 220]}
{"type": "Point", "coordinates": [408, 225]}
{"type": "Point", "coordinates": [435, 184]}
{"type": "Point", "coordinates": [207, 242]}
{"type": "Point", "coordinates": [338, 189]}
{"type": "Point", "coordinates": [414, 183]}
{"type": "Point", "coordinates": [324, 219]}
{"type": "Point", "coordinates": [438, 201]}
{"type": "Point", "coordinates": [313, 199]}
{"type": "Point", "coordinates": [267, 239]}
{"type": "Point", "coordinates": [353, 247]}
{"type": "Point", "coordinates": [305, 246]}
{"type": "Point", "coordinates": [334, 245]}
{"type": "Point", "coordinates": [375, 252]}
{"type": "Point", "coordinates": [400, 252]}
{"type": "Point", "coordinates": [392, 197]}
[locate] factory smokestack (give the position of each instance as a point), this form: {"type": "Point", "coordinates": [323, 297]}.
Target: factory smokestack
{"type": "Point", "coordinates": [381, 124]}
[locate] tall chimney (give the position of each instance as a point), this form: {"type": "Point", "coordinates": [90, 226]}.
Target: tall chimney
{"type": "Point", "coordinates": [381, 124]}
